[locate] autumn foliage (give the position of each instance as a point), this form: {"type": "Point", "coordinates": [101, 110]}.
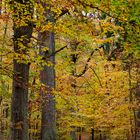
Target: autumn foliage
{"type": "Point", "coordinates": [77, 61]}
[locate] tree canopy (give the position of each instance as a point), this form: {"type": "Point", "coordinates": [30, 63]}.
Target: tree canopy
{"type": "Point", "coordinates": [69, 70]}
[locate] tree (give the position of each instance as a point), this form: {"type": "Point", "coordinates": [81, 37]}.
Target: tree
{"type": "Point", "coordinates": [92, 89]}
{"type": "Point", "coordinates": [22, 14]}
{"type": "Point", "coordinates": [47, 77]}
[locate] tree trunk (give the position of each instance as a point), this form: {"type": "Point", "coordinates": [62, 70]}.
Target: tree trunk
{"type": "Point", "coordinates": [19, 119]}
{"type": "Point", "coordinates": [138, 100]}
{"type": "Point", "coordinates": [47, 77]}
{"type": "Point", "coordinates": [92, 134]}
{"type": "Point", "coordinates": [74, 59]}
{"type": "Point", "coordinates": [19, 126]}
{"type": "Point", "coordinates": [132, 110]}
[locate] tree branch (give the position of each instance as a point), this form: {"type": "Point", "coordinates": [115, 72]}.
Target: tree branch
{"type": "Point", "coordinates": [86, 65]}
{"type": "Point", "coordinates": [65, 11]}
{"type": "Point", "coordinates": [52, 54]}
{"type": "Point", "coordinates": [97, 8]}
{"type": "Point", "coordinates": [97, 76]}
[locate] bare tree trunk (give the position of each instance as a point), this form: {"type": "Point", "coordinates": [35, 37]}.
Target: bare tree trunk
{"type": "Point", "coordinates": [74, 58]}
{"type": "Point", "coordinates": [47, 77]}
{"type": "Point", "coordinates": [19, 120]}
{"type": "Point", "coordinates": [132, 110]}
{"type": "Point", "coordinates": [92, 134]}
{"type": "Point", "coordinates": [138, 100]}
{"type": "Point", "coordinates": [19, 124]}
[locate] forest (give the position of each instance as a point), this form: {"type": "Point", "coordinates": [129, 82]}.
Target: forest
{"type": "Point", "coordinates": [69, 70]}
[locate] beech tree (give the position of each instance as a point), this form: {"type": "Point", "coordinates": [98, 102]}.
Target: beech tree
{"type": "Point", "coordinates": [47, 75]}
{"type": "Point", "coordinates": [23, 28]}
{"type": "Point", "coordinates": [95, 92]}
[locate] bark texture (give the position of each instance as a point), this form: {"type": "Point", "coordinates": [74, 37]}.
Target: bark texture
{"type": "Point", "coordinates": [47, 77]}
{"type": "Point", "coordinates": [19, 106]}
{"type": "Point", "coordinates": [138, 100]}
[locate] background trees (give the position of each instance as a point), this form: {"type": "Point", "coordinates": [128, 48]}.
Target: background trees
{"type": "Point", "coordinates": [96, 86]}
